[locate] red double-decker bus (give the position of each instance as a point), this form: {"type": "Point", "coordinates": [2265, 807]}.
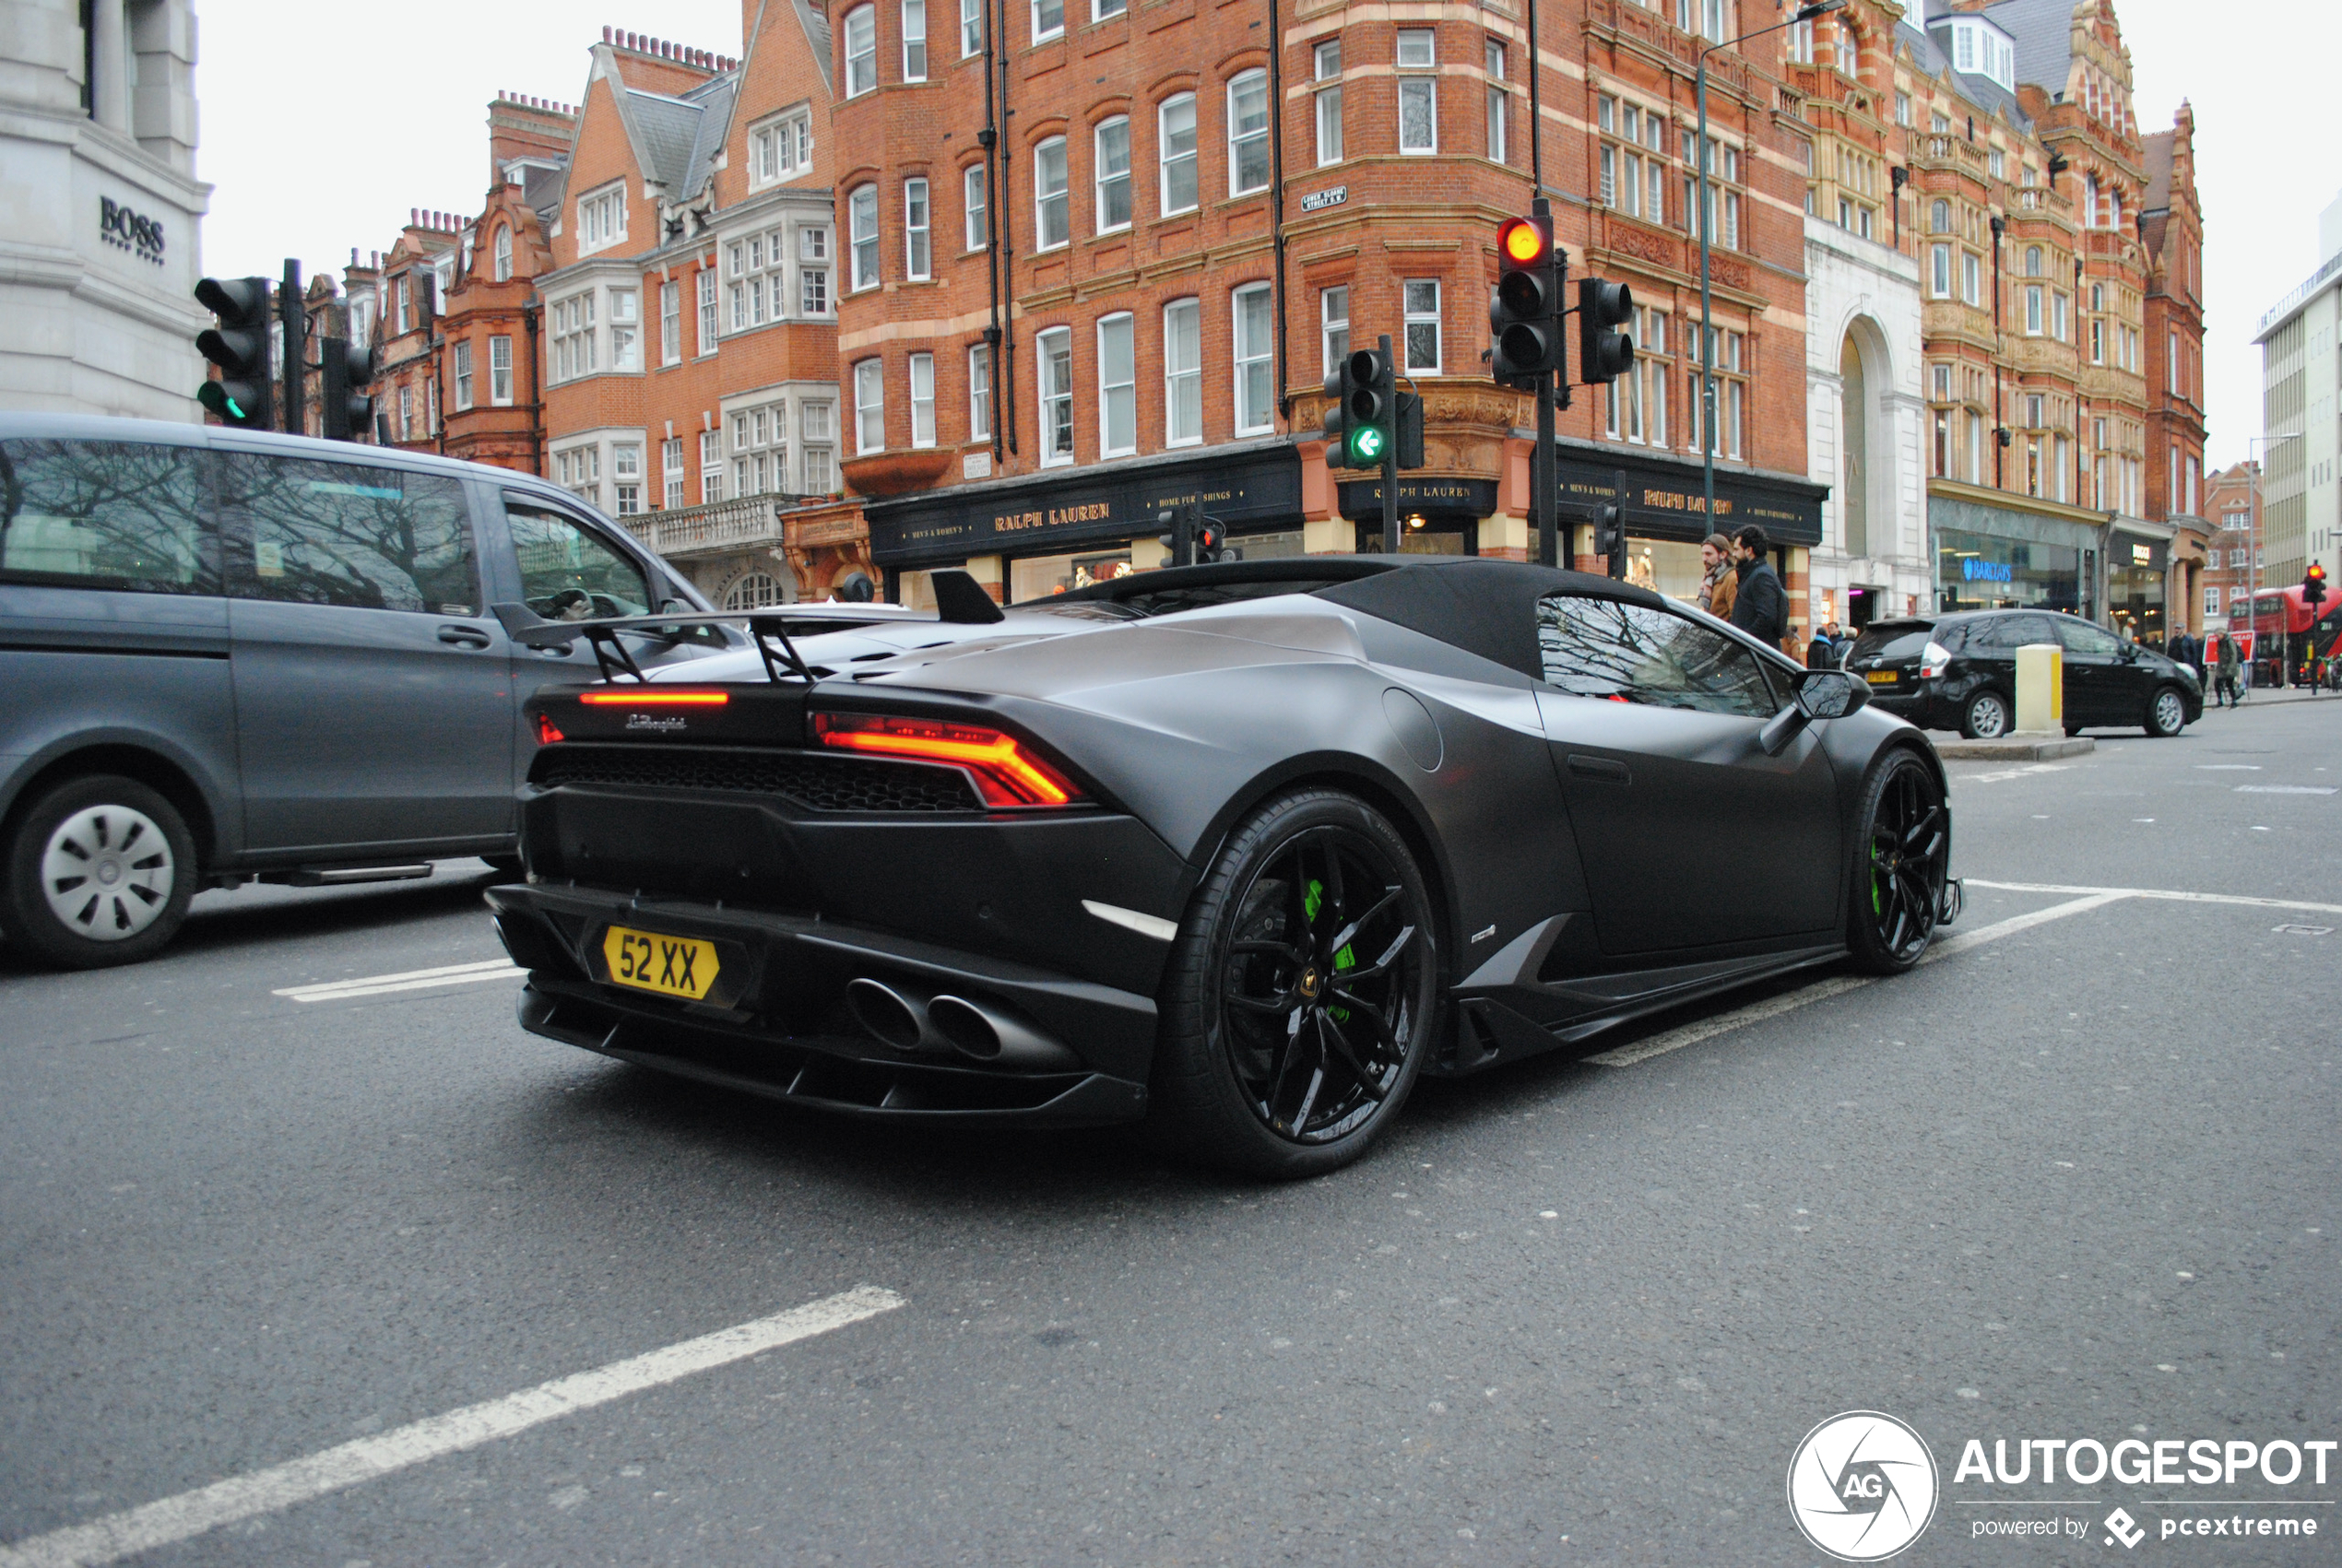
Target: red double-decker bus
{"type": "Point", "coordinates": [2292, 646]}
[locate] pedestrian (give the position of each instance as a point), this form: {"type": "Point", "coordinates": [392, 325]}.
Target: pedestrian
{"type": "Point", "coordinates": [1759, 607]}
{"type": "Point", "coordinates": [1717, 583]}
{"type": "Point", "coordinates": [1822, 652]}
{"type": "Point", "coordinates": [2226, 661]}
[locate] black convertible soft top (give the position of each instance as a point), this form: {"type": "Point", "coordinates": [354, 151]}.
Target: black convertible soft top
{"type": "Point", "coordinates": [1479, 604]}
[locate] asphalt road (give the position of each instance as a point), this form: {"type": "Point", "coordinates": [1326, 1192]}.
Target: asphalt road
{"type": "Point", "coordinates": [2079, 1181]}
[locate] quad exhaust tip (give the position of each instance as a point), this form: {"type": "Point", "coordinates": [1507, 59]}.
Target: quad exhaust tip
{"type": "Point", "coordinates": [911, 1021]}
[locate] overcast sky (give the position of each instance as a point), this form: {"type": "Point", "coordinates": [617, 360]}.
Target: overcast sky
{"type": "Point", "coordinates": [322, 127]}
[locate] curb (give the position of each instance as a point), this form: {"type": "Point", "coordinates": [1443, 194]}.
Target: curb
{"type": "Point", "coordinates": [2015, 748]}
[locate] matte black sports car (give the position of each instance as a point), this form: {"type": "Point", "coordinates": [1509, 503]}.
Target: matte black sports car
{"type": "Point", "coordinates": [1245, 848]}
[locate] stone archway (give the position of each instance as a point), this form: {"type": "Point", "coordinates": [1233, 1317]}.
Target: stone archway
{"type": "Point", "coordinates": [1864, 481]}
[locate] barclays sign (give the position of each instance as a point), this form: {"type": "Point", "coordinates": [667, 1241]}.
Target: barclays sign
{"type": "Point", "coordinates": [1971, 570]}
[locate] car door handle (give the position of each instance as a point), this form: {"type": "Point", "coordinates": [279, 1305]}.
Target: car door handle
{"type": "Point", "coordinates": [1600, 769]}
{"type": "Point", "coordinates": [463, 636]}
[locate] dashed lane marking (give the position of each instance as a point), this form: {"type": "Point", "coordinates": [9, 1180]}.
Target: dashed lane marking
{"type": "Point", "coordinates": [2172, 894]}
{"type": "Point", "coordinates": [405, 980]}
{"type": "Point", "coordinates": [271, 1491]}
{"type": "Point", "coordinates": [1837, 986]}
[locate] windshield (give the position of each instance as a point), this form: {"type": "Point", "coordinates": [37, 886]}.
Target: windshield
{"type": "Point", "coordinates": [1892, 640]}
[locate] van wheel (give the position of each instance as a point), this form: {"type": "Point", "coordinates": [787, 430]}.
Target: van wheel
{"type": "Point", "coordinates": [100, 871]}
{"type": "Point", "coordinates": [1986, 717]}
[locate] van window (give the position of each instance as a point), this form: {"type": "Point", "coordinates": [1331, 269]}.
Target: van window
{"type": "Point", "coordinates": [107, 515]}
{"type": "Point", "coordinates": [567, 573]}
{"type": "Point", "coordinates": [348, 533]}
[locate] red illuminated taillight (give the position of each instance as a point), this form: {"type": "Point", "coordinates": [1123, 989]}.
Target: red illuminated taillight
{"type": "Point", "coordinates": [655, 698]}
{"type": "Point", "coordinates": [1006, 773]}
{"type": "Point", "coordinates": [547, 731]}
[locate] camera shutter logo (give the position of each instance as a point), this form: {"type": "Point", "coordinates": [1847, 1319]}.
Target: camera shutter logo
{"type": "Point", "coordinates": [1862, 1486]}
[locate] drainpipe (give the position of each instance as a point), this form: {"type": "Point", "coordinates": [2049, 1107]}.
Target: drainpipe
{"type": "Point", "coordinates": [528, 311]}
{"type": "Point", "coordinates": [2000, 425]}
{"type": "Point", "coordinates": [1276, 205]}
{"type": "Point", "coordinates": [1004, 374]}
{"type": "Point", "coordinates": [989, 140]}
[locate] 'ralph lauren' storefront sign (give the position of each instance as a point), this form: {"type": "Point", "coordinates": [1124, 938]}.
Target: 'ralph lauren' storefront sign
{"type": "Point", "coordinates": [1070, 510]}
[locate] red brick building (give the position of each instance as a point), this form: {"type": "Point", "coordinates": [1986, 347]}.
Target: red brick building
{"type": "Point", "coordinates": [687, 331]}
{"type": "Point", "coordinates": [2171, 232]}
{"type": "Point", "coordinates": [1098, 257]}
{"type": "Point", "coordinates": [2233, 519]}
{"type": "Point", "coordinates": [413, 280]}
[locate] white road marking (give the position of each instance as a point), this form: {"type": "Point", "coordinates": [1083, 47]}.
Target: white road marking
{"type": "Point", "coordinates": [2169, 893]}
{"type": "Point", "coordinates": [2285, 789]}
{"type": "Point", "coordinates": [2012, 772]}
{"type": "Point", "coordinates": [1837, 985]}
{"type": "Point", "coordinates": [405, 980]}
{"type": "Point", "coordinates": [191, 1514]}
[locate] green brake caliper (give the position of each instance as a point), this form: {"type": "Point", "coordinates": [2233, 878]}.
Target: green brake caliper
{"type": "Point", "coordinates": [1312, 900]}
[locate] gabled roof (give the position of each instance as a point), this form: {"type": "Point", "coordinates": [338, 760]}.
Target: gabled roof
{"type": "Point", "coordinates": [816, 23]}
{"type": "Point", "coordinates": [677, 138]}
{"type": "Point", "coordinates": [2159, 148]}
{"type": "Point", "coordinates": [2043, 33]}
{"type": "Point", "coordinates": [1986, 94]}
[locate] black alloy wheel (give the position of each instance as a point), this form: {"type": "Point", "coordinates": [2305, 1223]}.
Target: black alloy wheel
{"type": "Point", "coordinates": [2166, 712]}
{"type": "Point", "coordinates": [1300, 999]}
{"type": "Point", "coordinates": [1986, 717]}
{"type": "Point", "coordinates": [1900, 863]}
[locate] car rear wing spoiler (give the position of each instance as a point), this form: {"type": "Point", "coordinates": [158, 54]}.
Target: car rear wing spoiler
{"type": "Point", "coordinates": [959, 598]}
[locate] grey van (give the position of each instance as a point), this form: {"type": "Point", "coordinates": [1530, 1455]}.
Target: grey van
{"type": "Point", "coordinates": [227, 655]}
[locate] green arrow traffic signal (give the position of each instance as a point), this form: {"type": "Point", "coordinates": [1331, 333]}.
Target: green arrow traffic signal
{"type": "Point", "coordinates": [1366, 447]}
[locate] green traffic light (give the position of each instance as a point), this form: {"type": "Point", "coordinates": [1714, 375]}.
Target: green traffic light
{"type": "Point", "coordinates": [1365, 444]}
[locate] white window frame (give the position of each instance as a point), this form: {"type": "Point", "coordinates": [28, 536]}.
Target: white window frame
{"type": "Point", "coordinates": [1499, 106]}
{"type": "Point", "coordinates": [711, 467]}
{"type": "Point", "coordinates": [500, 371]}
{"type": "Point", "coordinates": [1053, 387]}
{"type": "Point", "coordinates": [922, 380]}
{"type": "Point", "coordinates": [1329, 322]}
{"type": "Point", "coordinates": [1411, 316]}
{"type": "Point", "coordinates": [861, 205]}
{"type": "Point", "coordinates": [919, 211]}
{"type": "Point", "coordinates": [860, 53]}
{"type": "Point", "coordinates": [971, 28]}
{"type": "Point", "coordinates": [980, 391]}
{"type": "Point", "coordinates": [1044, 197]}
{"type": "Point", "coordinates": [1425, 87]}
{"type": "Point", "coordinates": [1043, 29]}
{"type": "Point", "coordinates": [870, 406]}
{"type": "Point", "coordinates": [1326, 66]}
{"type": "Point", "coordinates": [503, 265]}
{"type": "Point", "coordinates": [710, 324]}
{"type": "Point", "coordinates": [1168, 162]}
{"type": "Point", "coordinates": [625, 330]}
{"type": "Point", "coordinates": [463, 369]}
{"type": "Point", "coordinates": [1118, 384]}
{"type": "Point", "coordinates": [976, 205]}
{"type": "Point", "coordinates": [1252, 361]}
{"type": "Point", "coordinates": [671, 322]}
{"type": "Point", "coordinates": [915, 40]}
{"type": "Point", "coordinates": [1241, 141]}
{"type": "Point", "coordinates": [601, 217]}
{"type": "Point", "coordinates": [670, 462]}
{"type": "Point", "coordinates": [1183, 382]}
{"type": "Point", "coordinates": [1104, 175]}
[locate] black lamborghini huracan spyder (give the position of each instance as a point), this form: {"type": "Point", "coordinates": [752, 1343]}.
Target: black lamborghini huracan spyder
{"type": "Point", "coordinates": [1244, 848]}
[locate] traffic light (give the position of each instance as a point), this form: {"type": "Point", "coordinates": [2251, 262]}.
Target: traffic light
{"type": "Point", "coordinates": [1524, 308]}
{"type": "Point", "coordinates": [1410, 431]}
{"type": "Point", "coordinates": [1359, 419]}
{"type": "Point", "coordinates": [243, 395]}
{"type": "Point", "coordinates": [1609, 537]}
{"type": "Point", "coordinates": [1604, 352]}
{"type": "Point", "coordinates": [1179, 520]}
{"type": "Point", "coordinates": [2313, 586]}
{"type": "Point", "coordinates": [345, 369]}
{"type": "Point", "coordinates": [1212, 544]}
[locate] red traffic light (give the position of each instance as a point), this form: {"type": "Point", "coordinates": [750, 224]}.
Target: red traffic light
{"type": "Point", "coordinates": [1523, 241]}
{"type": "Point", "coordinates": [2315, 574]}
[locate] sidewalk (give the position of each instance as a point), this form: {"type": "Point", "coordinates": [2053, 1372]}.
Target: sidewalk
{"type": "Point", "coordinates": [2281, 694]}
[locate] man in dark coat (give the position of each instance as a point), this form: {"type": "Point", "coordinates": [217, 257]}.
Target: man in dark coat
{"type": "Point", "coordinates": [1759, 607]}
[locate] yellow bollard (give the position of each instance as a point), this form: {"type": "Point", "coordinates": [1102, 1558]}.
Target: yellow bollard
{"type": "Point", "coordinates": [2040, 689]}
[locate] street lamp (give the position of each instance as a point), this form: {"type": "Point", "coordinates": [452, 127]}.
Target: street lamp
{"type": "Point", "coordinates": [1707, 325]}
{"type": "Point", "coordinates": [2252, 559]}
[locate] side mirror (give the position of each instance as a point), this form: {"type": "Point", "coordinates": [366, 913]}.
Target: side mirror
{"type": "Point", "coordinates": [1821, 695]}
{"type": "Point", "coordinates": [1830, 694]}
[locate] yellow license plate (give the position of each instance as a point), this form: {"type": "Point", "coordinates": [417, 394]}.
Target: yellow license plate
{"type": "Point", "coordinates": [650, 961]}
{"type": "Point", "coordinates": [1883, 677]}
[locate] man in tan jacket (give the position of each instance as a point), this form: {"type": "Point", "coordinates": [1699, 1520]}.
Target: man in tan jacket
{"type": "Point", "coordinates": [1718, 583]}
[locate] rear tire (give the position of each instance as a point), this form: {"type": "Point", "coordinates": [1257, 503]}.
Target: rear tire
{"type": "Point", "coordinates": [2166, 712]}
{"type": "Point", "coordinates": [1985, 717]}
{"type": "Point", "coordinates": [1904, 852]}
{"type": "Point", "coordinates": [100, 871]}
{"type": "Point", "coordinates": [1301, 997]}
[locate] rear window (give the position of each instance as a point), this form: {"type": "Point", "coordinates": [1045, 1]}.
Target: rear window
{"type": "Point", "coordinates": [1893, 640]}
{"type": "Point", "coordinates": [107, 515]}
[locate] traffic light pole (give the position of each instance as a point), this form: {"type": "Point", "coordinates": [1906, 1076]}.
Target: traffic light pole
{"type": "Point", "coordinates": [1543, 477]}
{"type": "Point", "coordinates": [289, 309]}
{"type": "Point", "coordinates": [1390, 470]}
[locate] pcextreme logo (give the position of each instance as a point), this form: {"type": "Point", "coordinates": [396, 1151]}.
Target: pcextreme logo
{"type": "Point", "coordinates": [1862, 1486]}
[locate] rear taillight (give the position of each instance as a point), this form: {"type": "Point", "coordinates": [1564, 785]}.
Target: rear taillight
{"type": "Point", "coordinates": [1932, 660]}
{"type": "Point", "coordinates": [546, 732]}
{"type": "Point", "coordinates": [1007, 773]}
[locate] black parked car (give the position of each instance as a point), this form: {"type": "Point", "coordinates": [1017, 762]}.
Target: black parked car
{"type": "Point", "coordinates": [1246, 846]}
{"type": "Point", "coordinates": [1959, 672]}
{"type": "Point", "coordinates": [228, 655]}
